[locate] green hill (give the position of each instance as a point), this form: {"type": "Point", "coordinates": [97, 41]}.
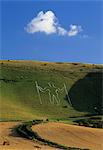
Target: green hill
{"type": "Point", "coordinates": [20, 100]}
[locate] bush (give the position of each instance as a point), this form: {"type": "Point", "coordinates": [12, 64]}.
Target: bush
{"type": "Point", "coordinates": [65, 106]}
{"type": "Point", "coordinates": [90, 123]}
{"type": "Point", "coordinates": [81, 69]}
{"type": "Point", "coordinates": [75, 63]}
{"type": "Point", "coordinates": [83, 66]}
{"type": "Point", "coordinates": [45, 64]}
{"type": "Point", "coordinates": [57, 119]}
{"type": "Point", "coordinates": [47, 119]}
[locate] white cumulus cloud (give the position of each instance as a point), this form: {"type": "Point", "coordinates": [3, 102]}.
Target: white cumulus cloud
{"type": "Point", "coordinates": [48, 23]}
{"type": "Point", "coordinates": [44, 22]}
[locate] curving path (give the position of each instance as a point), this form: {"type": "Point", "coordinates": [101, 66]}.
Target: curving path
{"type": "Point", "coordinates": [71, 135]}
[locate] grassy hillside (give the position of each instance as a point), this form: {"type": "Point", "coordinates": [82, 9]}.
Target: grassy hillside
{"type": "Point", "coordinates": [19, 98]}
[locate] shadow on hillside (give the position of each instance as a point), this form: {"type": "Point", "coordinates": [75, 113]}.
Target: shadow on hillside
{"type": "Point", "coordinates": [86, 93]}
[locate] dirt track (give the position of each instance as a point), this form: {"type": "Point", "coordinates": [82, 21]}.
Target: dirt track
{"type": "Point", "coordinates": [15, 142]}
{"type": "Point", "coordinates": [71, 135]}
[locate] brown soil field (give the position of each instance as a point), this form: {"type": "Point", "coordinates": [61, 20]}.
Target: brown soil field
{"type": "Point", "coordinates": [14, 141]}
{"type": "Point", "coordinates": [71, 135]}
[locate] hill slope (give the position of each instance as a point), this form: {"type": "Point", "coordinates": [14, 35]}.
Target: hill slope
{"type": "Point", "coordinates": [29, 89]}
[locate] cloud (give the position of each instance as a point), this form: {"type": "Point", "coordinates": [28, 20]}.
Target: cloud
{"type": "Point", "coordinates": [44, 22]}
{"type": "Point", "coordinates": [74, 30]}
{"type": "Point", "coordinates": [48, 23]}
{"type": "Point", "coordinates": [62, 31]}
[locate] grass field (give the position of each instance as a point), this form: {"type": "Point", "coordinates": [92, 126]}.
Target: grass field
{"type": "Point", "coordinates": [19, 99]}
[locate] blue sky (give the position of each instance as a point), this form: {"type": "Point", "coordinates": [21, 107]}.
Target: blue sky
{"type": "Point", "coordinates": [19, 43]}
